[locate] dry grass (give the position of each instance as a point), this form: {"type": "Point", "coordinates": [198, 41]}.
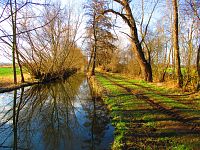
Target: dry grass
{"type": "Point", "coordinates": [6, 76]}
{"type": "Point", "coordinates": [7, 81]}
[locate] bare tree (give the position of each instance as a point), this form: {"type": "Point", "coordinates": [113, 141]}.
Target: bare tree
{"type": "Point", "coordinates": [98, 35]}
{"type": "Point", "coordinates": [9, 16]}
{"type": "Point", "coordinates": [192, 7]}
{"type": "Point", "coordinates": [51, 51]}
{"type": "Point", "coordinates": [127, 15]}
{"type": "Point", "coordinates": [94, 27]}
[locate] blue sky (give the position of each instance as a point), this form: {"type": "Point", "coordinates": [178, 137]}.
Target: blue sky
{"type": "Point", "coordinates": [4, 58]}
{"type": "Point", "coordinates": [78, 5]}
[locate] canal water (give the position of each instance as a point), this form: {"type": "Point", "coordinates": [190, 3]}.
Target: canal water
{"type": "Point", "coordinates": [54, 116]}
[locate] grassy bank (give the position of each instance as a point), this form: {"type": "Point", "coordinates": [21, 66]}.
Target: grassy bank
{"type": "Point", "coordinates": [6, 76]}
{"type": "Point", "coordinates": [146, 116]}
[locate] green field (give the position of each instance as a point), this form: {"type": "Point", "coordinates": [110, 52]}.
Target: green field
{"type": "Point", "coordinates": [183, 70]}
{"type": "Point", "coordinates": [7, 71]}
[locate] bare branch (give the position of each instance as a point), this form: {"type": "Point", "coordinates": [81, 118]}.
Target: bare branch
{"type": "Point", "coordinates": [119, 14]}
{"type": "Point", "coordinates": [26, 3]}
{"type": "Point", "coordinates": [120, 2]}
{"type": "Point", "coordinates": [32, 29]}
{"type": "Point", "coordinates": [146, 28]}
{"type": "Point", "coordinates": [126, 34]}
{"type": "Point", "coordinates": [7, 3]}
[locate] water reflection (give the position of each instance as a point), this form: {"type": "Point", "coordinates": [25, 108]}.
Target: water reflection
{"type": "Point", "coordinates": [54, 116]}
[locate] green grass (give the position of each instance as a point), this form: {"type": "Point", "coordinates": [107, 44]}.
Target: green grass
{"type": "Point", "coordinates": [7, 71]}
{"type": "Point", "coordinates": [140, 125]}
{"type": "Point", "coordinates": [183, 70]}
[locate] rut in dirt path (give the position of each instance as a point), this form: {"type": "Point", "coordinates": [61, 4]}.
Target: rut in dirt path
{"type": "Point", "coordinates": [171, 96]}
{"type": "Point", "coordinates": [170, 112]}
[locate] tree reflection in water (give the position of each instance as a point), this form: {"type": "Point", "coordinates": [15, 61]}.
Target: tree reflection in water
{"type": "Point", "coordinates": [54, 116]}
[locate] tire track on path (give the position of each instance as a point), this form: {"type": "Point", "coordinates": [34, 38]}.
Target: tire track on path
{"type": "Point", "coordinates": [175, 115]}
{"type": "Point", "coordinates": [174, 97]}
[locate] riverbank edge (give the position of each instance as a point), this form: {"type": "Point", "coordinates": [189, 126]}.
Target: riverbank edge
{"type": "Point", "coordinates": [25, 84]}
{"type": "Point", "coordinates": [15, 87]}
{"type": "Point", "coordinates": [101, 92]}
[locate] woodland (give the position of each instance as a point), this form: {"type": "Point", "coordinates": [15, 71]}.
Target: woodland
{"type": "Point", "coordinates": [124, 72]}
{"type": "Point", "coordinates": [162, 39]}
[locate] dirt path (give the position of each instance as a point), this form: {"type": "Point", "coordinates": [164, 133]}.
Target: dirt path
{"type": "Point", "coordinates": [166, 125]}
{"type": "Point", "coordinates": [171, 112]}
{"type": "Point", "coordinates": [173, 96]}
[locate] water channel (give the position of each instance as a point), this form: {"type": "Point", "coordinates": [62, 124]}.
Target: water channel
{"type": "Point", "coordinates": [54, 116]}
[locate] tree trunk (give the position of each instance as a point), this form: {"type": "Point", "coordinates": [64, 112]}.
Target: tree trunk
{"type": "Point", "coordinates": [137, 48]}
{"type": "Point", "coordinates": [20, 66]}
{"type": "Point", "coordinates": [14, 42]}
{"type": "Point", "coordinates": [91, 57]}
{"type": "Point", "coordinates": [144, 65]}
{"type": "Point", "coordinates": [94, 61]}
{"type": "Point", "coordinates": [176, 45]}
{"type": "Point", "coordinates": [165, 69]}
{"type": "Point", "coordinates": [14, 65]}
{"type": "Point", "coordinates": [14, 23]}
{"type": "Point", "coordinates": [95, 42]}
{"type": "Point", "coordinates": [198, 69]}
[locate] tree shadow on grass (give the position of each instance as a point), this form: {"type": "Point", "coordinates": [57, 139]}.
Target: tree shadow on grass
{"type": "Point", "coordinates": [155, 131]}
